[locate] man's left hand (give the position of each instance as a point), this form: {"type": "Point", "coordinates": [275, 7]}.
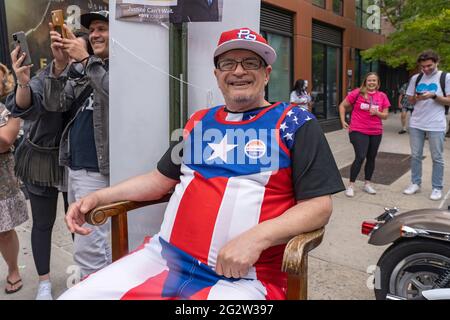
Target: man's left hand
{"type": "Point", "coordinates": [425, 96]}
{"type": "Point", "coordinates": [239, 255]}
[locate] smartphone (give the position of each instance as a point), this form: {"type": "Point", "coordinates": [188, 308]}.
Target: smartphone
{"type": "Point", "coordinates": [58, 21]}
{"type": "Point", "coordinates": [420, 93]}
{"type": "Point", "coordinates": [20, 39]}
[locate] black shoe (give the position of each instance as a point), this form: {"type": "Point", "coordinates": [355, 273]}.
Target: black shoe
{"type": "Point", "coordinates": [402, 131]}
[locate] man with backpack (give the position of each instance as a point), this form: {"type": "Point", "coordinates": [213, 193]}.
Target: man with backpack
{"type": "Point", "coordinates": [429, 92]}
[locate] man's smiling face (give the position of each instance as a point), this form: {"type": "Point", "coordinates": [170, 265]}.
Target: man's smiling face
{"type": "Point", "coordinates": [99, 38]}
{"type": "Point", "coordinates": [243, 89]}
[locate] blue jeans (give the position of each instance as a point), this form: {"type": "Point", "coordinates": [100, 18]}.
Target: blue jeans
{"type": "Point", "coordinates": [436, 141]}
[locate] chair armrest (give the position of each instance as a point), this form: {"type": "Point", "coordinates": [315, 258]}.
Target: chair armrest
{"type": "Point", "coordinates": [100, 215]}
{"type": "Point", "coordinates": [297, 248]}
{"type": "Point", "coordinates": [119, 223]}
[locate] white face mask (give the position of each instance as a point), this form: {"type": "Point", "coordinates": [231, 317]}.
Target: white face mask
{"type": "Point", "coordinates": [306, 84]}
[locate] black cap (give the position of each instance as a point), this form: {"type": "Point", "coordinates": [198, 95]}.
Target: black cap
{"type": "Point", "coordinates": [87, 18]}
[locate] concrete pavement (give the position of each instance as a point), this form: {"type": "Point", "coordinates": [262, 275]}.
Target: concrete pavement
{"type": "Point", "coordinates": [337, 268]}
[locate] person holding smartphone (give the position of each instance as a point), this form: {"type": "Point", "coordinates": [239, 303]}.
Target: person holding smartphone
{"type": "Point", "coordinates": [79, 82]}
{"type": "Point", "coordinates": [37, 159]}
{"type": "Point", "coordinates": [369, 107]}
{"type": "Point", "coordinates": [426, 92]}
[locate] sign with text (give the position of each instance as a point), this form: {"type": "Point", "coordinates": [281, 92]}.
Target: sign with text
{"type": "Point", "coordinates": [175, 11]}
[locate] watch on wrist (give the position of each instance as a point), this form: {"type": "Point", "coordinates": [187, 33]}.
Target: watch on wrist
{"type": "Point", "coordinates": [434, 97]}
{"type": "Point", "coordinates": [20, 85]}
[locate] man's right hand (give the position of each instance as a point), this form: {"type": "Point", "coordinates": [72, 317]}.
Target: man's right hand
{"type": "Point", "coordinates": [23, 73]}
{"type": "Point", "coordinates": [75, 217]}
{"type": "Point", "coordinates": [344, 125]}
{"type": "Point", "coordinates": [61, 57]}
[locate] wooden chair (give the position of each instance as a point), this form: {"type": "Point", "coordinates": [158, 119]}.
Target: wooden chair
{"type": "Point", "coordinates": [295, 260]}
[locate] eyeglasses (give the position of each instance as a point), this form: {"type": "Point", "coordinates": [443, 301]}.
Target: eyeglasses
{"type": "Point", "coordinates": [251, 63]}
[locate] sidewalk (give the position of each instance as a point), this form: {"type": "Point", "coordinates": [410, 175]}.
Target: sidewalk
{"type": "Point", "coordinates": [337, 268]}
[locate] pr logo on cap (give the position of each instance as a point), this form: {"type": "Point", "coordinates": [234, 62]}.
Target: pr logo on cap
{"type": "Point", "coordinates": [245, 39]}
{"type": "Point", "coordinates": [246, 34]}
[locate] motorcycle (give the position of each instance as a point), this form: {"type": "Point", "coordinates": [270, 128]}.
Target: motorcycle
{"type": "Point", "coordinates": [417, 264]}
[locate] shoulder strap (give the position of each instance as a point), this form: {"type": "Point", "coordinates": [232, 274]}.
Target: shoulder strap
{"type": "Point", "coordinates": [442, 81]}
{"type": "Point", "coordinates": [82, 97]}
{"type": "Point", "coordinates": [419, 77]}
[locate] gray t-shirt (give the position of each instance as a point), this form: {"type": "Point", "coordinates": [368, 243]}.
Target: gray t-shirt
{"type": "Point", "coordinates": [428, 115]}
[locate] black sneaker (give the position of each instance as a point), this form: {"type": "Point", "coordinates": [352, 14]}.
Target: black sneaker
{"type": "Point", "coordinates": [402, 131]}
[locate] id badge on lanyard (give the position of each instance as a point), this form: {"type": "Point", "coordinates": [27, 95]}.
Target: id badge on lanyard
{"type": "Point", "coordinates": [371, 103]}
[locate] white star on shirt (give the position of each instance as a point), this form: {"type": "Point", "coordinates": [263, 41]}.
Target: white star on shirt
{"type": "Point", "coordinates": [221, 149]}
{"type": "Point", "coordinates": [295, 120]}
{"type": "Point", "coordinates": [290, 113]}
{"type": "Point", "coordinates": [251, 117]}
{"type": "Point", "coordinates": [288, 136]}
{"type": "Point", "coordinates": [283, 126]}
{"type": "Point", "coordinates": [308, 118]}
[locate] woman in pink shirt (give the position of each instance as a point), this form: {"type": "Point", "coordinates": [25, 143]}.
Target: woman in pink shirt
{"type": "Point", "coordinates": [369, 107]}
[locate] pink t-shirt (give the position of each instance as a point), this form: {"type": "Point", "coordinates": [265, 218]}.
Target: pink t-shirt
{"type": "Point", "coordinates": [362, 121]}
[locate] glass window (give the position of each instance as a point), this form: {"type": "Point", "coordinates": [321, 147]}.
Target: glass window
{"type": "Point", "coordinates": [338, 7]}
{"type": "Point", "coordinates": [333, 81]}
{"type": "Point", "coordinates": [358, 18]}
{"type": "Point", "coordinates": [318, 80]}
{"type": "Point", "coordinates": [326, 80]}
{"type": "Point", "coordinates": [359, 13]}
{"type": "Point", "coordinates": [319, 3]}
{"type": "Point", "coordinates": [281, 77]}
{"type": "Point", "coordinates": [357, 72]}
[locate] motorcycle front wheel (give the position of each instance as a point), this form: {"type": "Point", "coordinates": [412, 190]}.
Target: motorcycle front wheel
{"type": "Point", "coordinates": [411, 266]}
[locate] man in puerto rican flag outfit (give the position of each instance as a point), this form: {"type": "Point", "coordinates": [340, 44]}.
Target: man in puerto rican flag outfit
{"type": "Point", "coordinates": [252, 176]}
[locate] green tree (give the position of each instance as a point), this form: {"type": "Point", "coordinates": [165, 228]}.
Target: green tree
{"type": "Point", "coordinates": [420, 25]}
